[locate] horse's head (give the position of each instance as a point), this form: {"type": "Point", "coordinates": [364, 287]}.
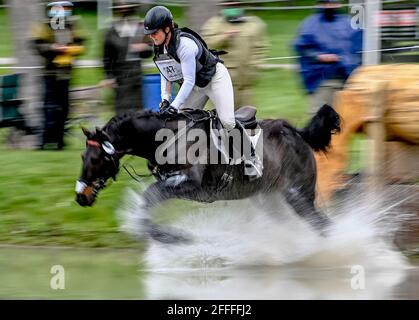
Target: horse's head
{"type": "Point", "coordinates": [100, 162]}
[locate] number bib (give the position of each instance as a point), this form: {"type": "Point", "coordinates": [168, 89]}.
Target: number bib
{"type": "Point", "coordinates": [169, 68]}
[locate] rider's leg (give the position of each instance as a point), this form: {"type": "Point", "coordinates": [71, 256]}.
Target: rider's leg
{"type": "Point", "coordinates": [220, 92]}
{"type": "Point", "coordinates": [252, 152]}
{"type": "Point", "coordinates": [196, 100]}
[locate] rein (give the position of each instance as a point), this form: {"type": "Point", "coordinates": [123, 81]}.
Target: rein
{"type": "Point", "coordinates": [208, 115]}
{"type": "Point", "coordinates": [137, 177]}
{"type": "Point", "coordinates": [109, 149]}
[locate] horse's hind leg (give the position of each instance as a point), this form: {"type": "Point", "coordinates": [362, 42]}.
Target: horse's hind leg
{"type": "Point", "coordinates": [304, 207]}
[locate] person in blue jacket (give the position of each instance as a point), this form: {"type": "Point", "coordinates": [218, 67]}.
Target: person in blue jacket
{"type": "Point", "coordinates": [330, 49]}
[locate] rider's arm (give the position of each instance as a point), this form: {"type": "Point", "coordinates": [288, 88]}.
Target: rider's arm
{"type": "Point", "coordinates": [165, 87]}
{"type": "Point", "coordinates": [187, 52]}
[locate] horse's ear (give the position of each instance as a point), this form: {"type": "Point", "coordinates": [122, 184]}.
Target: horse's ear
{"type": "Point", "coordinates": [102, 135]}
{"type": "Point", "coordinates": [87, 133]}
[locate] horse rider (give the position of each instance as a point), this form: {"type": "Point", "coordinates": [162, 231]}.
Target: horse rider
{"type": "Point", "coordinates": [182, 56]}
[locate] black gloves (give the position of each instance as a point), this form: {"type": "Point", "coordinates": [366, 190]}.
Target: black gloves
{"type": "Point", "coordinates": [164, 104]}
{"type": "Point", "coordinates": [166, 108]}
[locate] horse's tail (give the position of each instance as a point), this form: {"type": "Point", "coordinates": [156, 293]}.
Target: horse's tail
{"type": "Point", "coordinates": [318, 132]}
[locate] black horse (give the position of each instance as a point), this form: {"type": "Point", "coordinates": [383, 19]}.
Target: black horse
{"type": "Point", "coordinates": [289, 167]}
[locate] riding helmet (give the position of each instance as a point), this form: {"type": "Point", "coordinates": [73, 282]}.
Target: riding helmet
{"type": "Point", "coordinates": [156, 18]}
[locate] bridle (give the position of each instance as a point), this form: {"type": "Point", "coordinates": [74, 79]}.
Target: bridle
{"type": "Point", "coordinates": [111, 156]}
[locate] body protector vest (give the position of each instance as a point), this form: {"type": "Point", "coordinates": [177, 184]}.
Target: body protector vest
{"type": "Point", "coordinates": [169, 63]}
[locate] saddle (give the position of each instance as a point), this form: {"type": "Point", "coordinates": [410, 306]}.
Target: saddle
{"type": "Point", "coordinates": [232, 153]}
{"type": "Point", "coordinates": [246, 116]}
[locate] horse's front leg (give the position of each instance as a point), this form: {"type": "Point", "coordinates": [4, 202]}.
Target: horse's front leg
{"type": "Point", "coordinates": [153, 196]}
{"type": "Point", "coordinates": [159, 192]}
{"type": "Point", "coordinates": [176, 188]}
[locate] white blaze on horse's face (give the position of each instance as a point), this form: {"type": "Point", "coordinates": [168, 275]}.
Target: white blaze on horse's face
{"type": "Point", "coordinates": [85, 194]}
{"type": "Point", "coordinates": [80, 186]}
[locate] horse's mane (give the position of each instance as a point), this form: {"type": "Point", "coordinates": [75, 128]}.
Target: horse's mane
{"type": "Point", "coordinates": [115, 123]}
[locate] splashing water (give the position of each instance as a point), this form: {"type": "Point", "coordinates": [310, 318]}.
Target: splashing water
{"type": "Point", "coordinates": [229, 237]}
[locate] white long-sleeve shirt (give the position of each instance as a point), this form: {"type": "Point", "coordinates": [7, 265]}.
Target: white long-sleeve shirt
{"type": "Point", "coordinates": [187, 53]}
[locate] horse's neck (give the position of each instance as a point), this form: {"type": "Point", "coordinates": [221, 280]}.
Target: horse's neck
{"type": "Point", "coordinates": [136, 136]}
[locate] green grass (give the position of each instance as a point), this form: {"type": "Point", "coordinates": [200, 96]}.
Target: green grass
{"type": "Point", "coordinates": [278, 94]}
{"type": "Point", "coordinates": [6, 44]}
{"type": "Point", "coordinates": [37, 202]}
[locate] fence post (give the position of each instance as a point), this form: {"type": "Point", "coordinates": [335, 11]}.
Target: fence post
{"type": "Point", "coordinates": [376, 133]}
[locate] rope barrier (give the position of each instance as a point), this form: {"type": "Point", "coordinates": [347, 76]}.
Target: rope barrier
{"type": "Point", "coordinates": [151, 65]}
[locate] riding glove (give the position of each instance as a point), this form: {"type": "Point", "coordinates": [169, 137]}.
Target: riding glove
{"type": "Point", "coordinates": [166, 108]}
{"type": "Point", "coordinates": [164, 104]}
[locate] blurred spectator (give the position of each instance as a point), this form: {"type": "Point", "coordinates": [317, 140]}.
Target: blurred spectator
{"type": "Point", "coordinates": [244, 38]}
{"type": "Point", "coordinates": [58, 40]}
{"type": "Point", "coordinates": [330, 51]}
{"type": "Point", "coordinates": [125, 46]}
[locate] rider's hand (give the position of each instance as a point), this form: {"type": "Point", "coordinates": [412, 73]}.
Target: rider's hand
{"type": "Point", "coordinates": [165, 107]}
{"type": "Point", "coordinates": [164, 104]}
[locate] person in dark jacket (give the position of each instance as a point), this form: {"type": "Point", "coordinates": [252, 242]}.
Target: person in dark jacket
{"type": "Point", "coordinates": [330, 50]}
{"type": "Point", "coordinates": [58, 39]}
{"type": "Point", "coordinates": [124, 48]}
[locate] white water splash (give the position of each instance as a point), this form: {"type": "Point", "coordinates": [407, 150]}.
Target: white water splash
{"type": "Point", "coordinates": [229, 237]}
